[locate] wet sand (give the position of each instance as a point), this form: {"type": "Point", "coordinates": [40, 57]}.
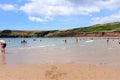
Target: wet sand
{"type": "Point", "coordinates": [95, 52]}
{"type": "Point", "coordinates": [59, 72]}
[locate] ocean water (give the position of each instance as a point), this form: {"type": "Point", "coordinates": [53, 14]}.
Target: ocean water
{"type": "Point", "coordinates": [55, 51]}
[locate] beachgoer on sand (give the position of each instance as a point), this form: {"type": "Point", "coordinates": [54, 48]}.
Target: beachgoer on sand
{"type": "Point", "coordinates": [3, 45]}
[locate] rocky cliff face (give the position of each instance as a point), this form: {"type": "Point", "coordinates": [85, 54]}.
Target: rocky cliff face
{"type": "Point", "coordinates": [106, 34]}
{"type": "Point", "coordinates": [57, 34]}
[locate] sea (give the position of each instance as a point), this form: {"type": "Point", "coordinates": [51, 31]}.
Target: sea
{"type": "Point", "coordinates": [65, 50]}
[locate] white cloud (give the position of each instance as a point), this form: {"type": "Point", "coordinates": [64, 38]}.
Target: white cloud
{"type": "Point", "coordinates": [7, 7]}
{"type": "Point", "coordinates": [36, 19]}
{"type": "Point", "coordinates": [106, 19]}
{"type": "Point", "coordinates": [101, 4]}
{"type": "Point", "coordinates": [51, 8]}
{"type": "Point", "coordinates": [109, 4]}
{"type": "Point", "coordinates": [56, 7]}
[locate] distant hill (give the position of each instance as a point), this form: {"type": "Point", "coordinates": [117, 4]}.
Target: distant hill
{"type": "Point", "coordinates": [98, 30]}
{"type": "Point", "coordinates": [108, 27]}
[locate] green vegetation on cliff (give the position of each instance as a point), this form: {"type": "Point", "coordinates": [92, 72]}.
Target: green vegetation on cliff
{"type": "Point", "coordinates": [109, 27]}
{"type": "Point", "coordinates": [99, 28]}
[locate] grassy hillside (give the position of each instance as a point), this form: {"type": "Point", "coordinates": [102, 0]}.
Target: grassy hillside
{"type": "Point", "coordinates": [109, 27]}
{"type": "Point", "coordinates": [99, 28]}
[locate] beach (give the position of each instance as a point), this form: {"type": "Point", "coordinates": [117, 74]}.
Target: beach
{"type": "Point", "coordinates": [59, 72]}
{"type": "Point", "coordinates": [52, 59]}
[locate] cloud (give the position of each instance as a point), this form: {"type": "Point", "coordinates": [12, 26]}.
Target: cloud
{"type": "Point", "coordinates": [53, 8]}
{"type": "Point", "coordinates": [7, 7]}
{"type": "Point", "coordinates": [109, 4]}
{"type": "Point", "coordinates": [56, 7]}
{"type": "Point", "coordinates": [36, 19]}
{"type": "Point", "coordinates": [101, 4]}
{"type": "Point", "coordinates": [106, 19]}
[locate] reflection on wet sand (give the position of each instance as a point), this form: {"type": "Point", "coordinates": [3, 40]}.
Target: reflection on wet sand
{"type": "Point", "coordinates": [3, 59]}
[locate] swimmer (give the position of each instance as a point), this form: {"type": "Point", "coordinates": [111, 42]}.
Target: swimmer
{"type": "Point", "coordinates": [65, 41]}
{"type": "Point", "coordinates": [23, 41]}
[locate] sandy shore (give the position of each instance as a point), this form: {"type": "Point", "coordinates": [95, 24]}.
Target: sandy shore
{"type": "Point", "coordinates": [84, 61]}
{"type": "Point", "coordinates": [59, 72]}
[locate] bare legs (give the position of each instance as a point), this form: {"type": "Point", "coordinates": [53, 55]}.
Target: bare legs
{"type": "Point", "coordinates": [3, 59]}
{"type": "Point", "coordinates": [3, 50]}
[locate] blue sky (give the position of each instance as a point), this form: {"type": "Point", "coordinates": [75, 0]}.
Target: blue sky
{"type": "Point", "coordinates": [56, 14]}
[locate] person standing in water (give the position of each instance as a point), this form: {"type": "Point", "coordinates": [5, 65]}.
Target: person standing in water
{"type": "Point", "coordinates": [3, 46]}
{"type": "Point", "coordinates": [76, 39]}
{"type": "Point", "coordinates": [65, 41]}
{"type": "Point", "coordinates": [107, 42]}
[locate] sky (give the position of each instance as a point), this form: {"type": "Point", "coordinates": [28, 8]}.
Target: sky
{"type": "Point", "coordinates": [56, 14]}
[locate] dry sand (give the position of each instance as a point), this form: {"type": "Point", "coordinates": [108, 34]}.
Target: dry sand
{"type": "Point", "coordinates": [59, 72]}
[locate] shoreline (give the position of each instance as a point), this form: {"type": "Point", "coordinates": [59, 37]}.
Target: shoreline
{"type": "Point", "coordinates": [86, 51]}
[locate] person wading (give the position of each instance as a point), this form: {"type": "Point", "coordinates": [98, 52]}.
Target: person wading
{"type": "Point", "coordinates": [3, 46]}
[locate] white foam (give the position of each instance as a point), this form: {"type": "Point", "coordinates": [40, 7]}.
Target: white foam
{"type": "Point", "coordinates": [40, 46]}
{"type": "Point", "coordinates": [89, 41]}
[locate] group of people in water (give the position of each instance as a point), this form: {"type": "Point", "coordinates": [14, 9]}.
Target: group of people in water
{"type": "Point", "coordinates": [3, 46]}
{"type": "Point", "coordinates": [75, 39]}
{"type": "Point", "coordinates": [3, 43]}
